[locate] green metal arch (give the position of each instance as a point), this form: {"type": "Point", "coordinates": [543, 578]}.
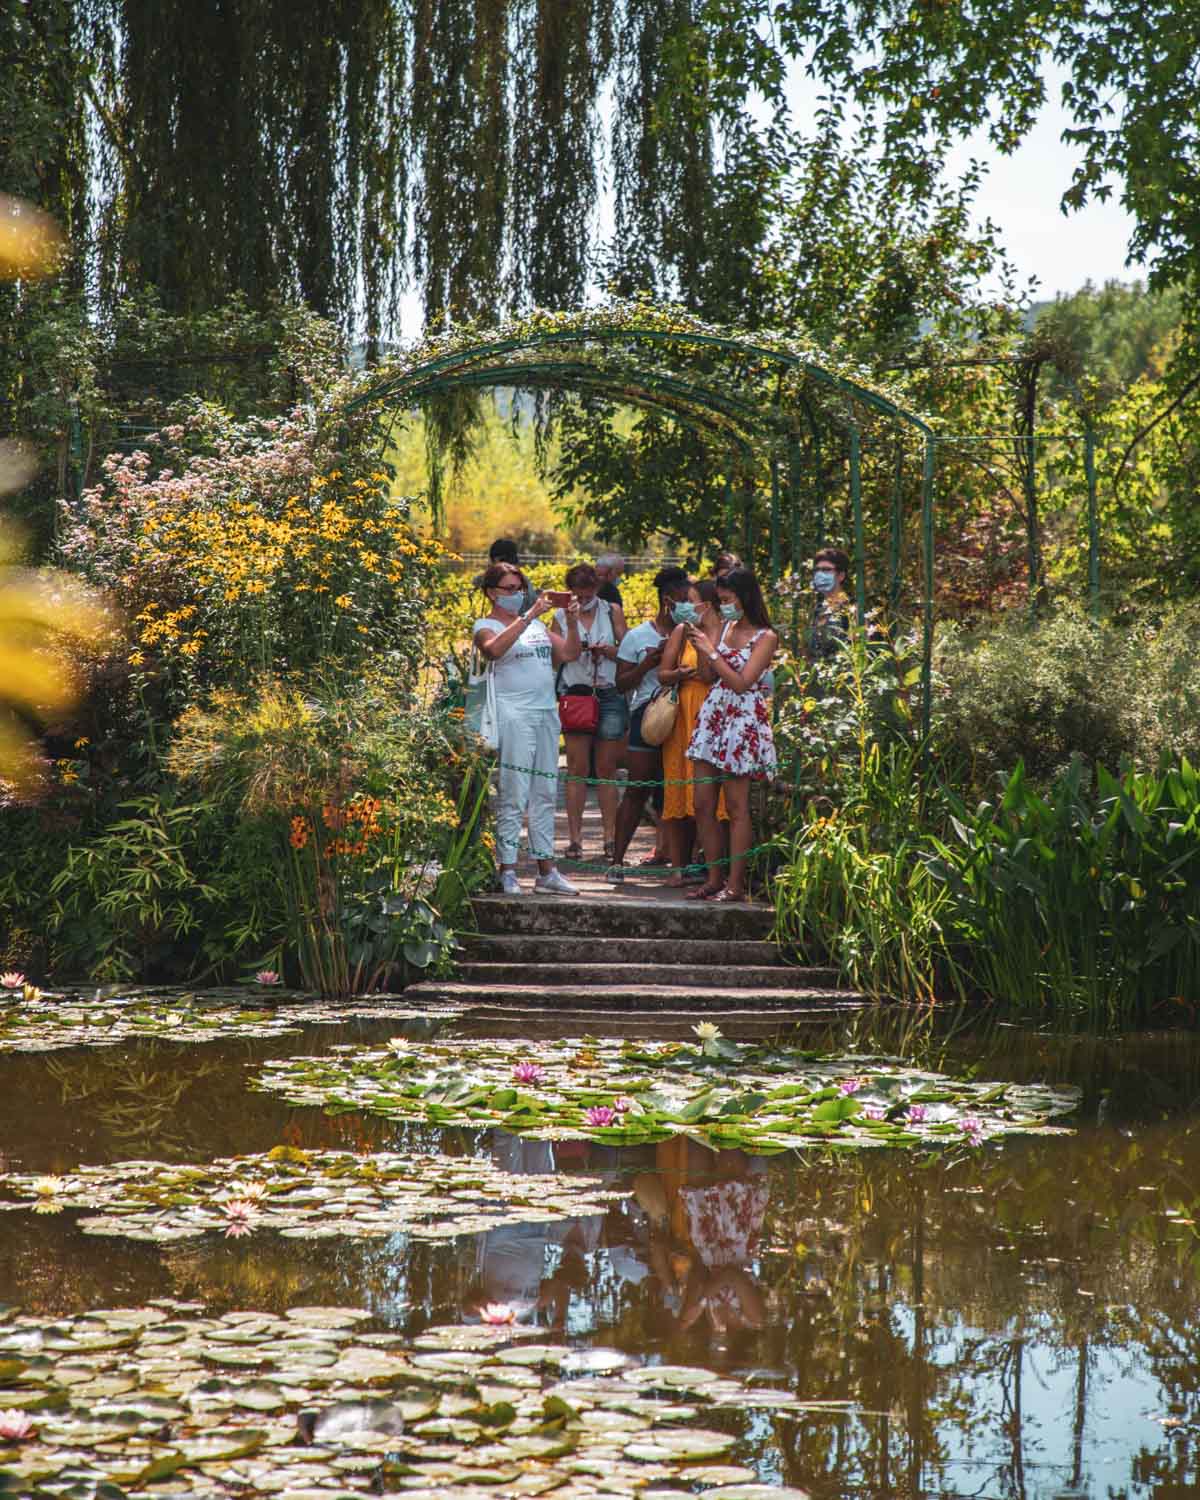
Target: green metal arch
{"type": "Point", "coordinates": [463, 367]}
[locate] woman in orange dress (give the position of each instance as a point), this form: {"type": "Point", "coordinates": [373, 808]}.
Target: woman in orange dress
{"type": "Point", "coordinates": [679, 669]}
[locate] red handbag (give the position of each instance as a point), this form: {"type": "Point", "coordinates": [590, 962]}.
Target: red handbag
{"type": "Point", "coordinates": [579, 707]}
{"type": "Point", "coordinates": [579, 710]}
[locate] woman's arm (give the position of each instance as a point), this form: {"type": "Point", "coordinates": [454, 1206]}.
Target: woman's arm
{"type": "Point", "coordinates": [760, 660]}
{"type": "Point", "coordinates": [564, 648]}
{"type": "Point", "coordinates": [630, 673]}
{"type": "Point", "coordinates": [494, 643]}
{"type": "Point", "coordinates": [617, 615]}
{"type": "Point", "coordinates": [671, 672]}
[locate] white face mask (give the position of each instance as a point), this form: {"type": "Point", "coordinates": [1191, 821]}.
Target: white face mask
{"type": "Point", "coordinates": [510, 603]}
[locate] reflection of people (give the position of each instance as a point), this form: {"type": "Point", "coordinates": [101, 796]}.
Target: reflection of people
{"type": "Point", "coordinates": [707, 1214]}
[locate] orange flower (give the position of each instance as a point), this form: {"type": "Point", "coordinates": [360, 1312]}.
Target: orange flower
{"type": "Point", "coordinates": [300, 832]}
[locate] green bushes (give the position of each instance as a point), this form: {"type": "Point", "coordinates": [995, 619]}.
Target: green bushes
{"type": "Point", "coordinates": [1074, 895]}
{"type": "Point", "coordinates": [1040, 694]}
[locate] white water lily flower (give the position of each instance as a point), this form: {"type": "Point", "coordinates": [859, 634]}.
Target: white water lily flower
{"type": "Point", "coordinates": [399, 1043]}
{"type": "Point", "coordinates": [46, 1186]}
{"type": "Point", "coordinates": [707, 1032]}
{"type": "Point", "coordinates": [12, 981]}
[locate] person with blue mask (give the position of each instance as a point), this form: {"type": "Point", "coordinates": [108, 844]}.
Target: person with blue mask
{"type": "Point", "coordinates": [681, 670]}
{"type": "Point", "coordinates": [833, 608]}
{"type": "Point", "coordinates": [733, 742]}
{"type": "Point", "coordinates": [523, 656]}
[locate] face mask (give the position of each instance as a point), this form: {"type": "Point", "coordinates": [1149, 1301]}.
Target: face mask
{"type": "Point", "coordinates": [685, 613]}
{"type": "Point", "coordinates": [824, 581]}
{"type": "Point", "coordinates": [510, 602]}
{"type": "Point", "coordinates": [731, 611]}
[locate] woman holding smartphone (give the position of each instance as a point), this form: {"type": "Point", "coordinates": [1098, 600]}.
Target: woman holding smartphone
{"type": "Point", "coordinates": [601, 631]}
{"type": "Point", "coordinates": [732, 740]}
{"type": "Point", "coordinates": [681, 670]}
{"type": "Point", "coordinates": [524, 655]}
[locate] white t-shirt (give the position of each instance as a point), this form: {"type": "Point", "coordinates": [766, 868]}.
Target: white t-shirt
{"type": "Point", "coordinates": [594, 627]}
{"type": "Point", "coordinates": [525, 673]}
{"type": "Point", "coordinates": [638, 642]}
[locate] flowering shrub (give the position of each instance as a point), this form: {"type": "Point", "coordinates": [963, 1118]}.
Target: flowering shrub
{"type": "Point", "coordinates": [243, 547]}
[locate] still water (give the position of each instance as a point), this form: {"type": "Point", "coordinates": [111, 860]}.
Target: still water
{"type": "Point", "coordinates": [1021, 1321]}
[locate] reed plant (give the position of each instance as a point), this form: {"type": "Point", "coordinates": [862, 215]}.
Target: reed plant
{"type": "Point", "coordinates": [1081, 904]}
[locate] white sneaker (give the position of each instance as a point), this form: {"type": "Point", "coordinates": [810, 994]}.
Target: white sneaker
{"type": "Point", "coordinates": [509, 884]}
{"type": "Point", "coordinates": [554, 885]}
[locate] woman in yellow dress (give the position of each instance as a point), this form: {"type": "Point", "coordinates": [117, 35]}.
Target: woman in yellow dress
{"type": "Point", "coordinates": [679, 669]}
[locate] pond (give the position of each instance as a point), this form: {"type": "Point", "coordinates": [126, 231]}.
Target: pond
{"type": "Point", "coordinates": [979, 1314]}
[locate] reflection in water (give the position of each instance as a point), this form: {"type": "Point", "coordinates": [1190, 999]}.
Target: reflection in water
{"type": "Point", "coordinates": [1020, 1323]}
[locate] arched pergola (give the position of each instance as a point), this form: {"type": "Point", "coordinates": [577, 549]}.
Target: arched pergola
{"type": "Point", "coordinates": [776, 404]}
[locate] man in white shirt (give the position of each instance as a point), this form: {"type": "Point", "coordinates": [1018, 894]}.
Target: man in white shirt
{"type": "Point", "coordinates": [638, 659]}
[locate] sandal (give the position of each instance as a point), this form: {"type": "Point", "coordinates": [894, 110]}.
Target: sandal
{"type": "Point", "coordinates": [610, 854]}
{"type": "Point", "coordinates": [725, 894]}
{"type": "Point", "coordinates": [705, 893]}
{"type": "Point", "coordinates": [573, 851]}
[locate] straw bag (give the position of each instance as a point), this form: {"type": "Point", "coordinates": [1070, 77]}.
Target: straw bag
{"type": "Point", "coordinates": [659, 717]}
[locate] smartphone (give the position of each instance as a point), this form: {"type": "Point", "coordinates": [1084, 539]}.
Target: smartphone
{"type": "Point", "coordinates": [560, 598]}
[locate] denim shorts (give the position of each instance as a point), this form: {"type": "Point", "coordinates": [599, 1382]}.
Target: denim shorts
{"type": "Point", "coordinates": [614, 714]}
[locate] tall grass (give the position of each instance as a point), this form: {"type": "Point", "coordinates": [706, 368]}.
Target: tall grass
{"type": "Point", "coordinates": [1083, 903]}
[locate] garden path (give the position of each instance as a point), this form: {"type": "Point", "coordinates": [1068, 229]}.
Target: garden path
{"type": "Point", "coordinates": [636, 947]}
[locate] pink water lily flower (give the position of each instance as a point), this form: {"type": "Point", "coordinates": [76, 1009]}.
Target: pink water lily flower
{"type": "Point", "coordinates": [850, 1085]}
{"type": "Point", "coordinates": [972, 1127]}
{"type": "Point", "coordinates": [528, 1072]}
{"type": "Point", "coordinates": [497, 1313]}
{"type": "Point", "coordinates": [15, 1426]}
{"type": "Point", "coordinates": [266, 976]}
{"type": "Point", "coordinates": [873, 1112]}
{"type": "Point", "coordinates": [916, 1113]}
{"type": "Point", "coordinates": [600, 1114]}
{"type": "Point", "coordinates": [240, 1214]}
{"type": "Point", "coordinates": [624, 1104]}
{"type": "Point", "coordinates": [12, 981]}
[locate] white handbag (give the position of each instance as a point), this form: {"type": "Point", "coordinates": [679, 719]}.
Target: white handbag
{"type": "Point", "coordinates": [481, 715]}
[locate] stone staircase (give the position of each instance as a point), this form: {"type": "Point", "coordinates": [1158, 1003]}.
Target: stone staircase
{"type": "Point", "coordinates": [619, 953]}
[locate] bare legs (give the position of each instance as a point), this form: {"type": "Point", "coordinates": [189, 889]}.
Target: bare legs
{"type": "Point", "coordinates": [741, 833]}
{"type": "Point", "coordinates": [708, 826]}
{"type": "Point", "coordinates": [608, 760]}
{"type": "Point", "coordinates": [643, 766]}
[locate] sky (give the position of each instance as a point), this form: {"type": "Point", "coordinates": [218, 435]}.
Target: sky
{"type": "Point", "coordinates": [1021, 194]}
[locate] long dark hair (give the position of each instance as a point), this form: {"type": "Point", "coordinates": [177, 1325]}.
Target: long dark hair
{"type": "Point", "coordinates": [743, 584]}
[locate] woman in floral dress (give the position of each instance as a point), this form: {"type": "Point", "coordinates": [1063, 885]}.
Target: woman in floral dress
{"type": "Point", "coordinates": [732, 739]}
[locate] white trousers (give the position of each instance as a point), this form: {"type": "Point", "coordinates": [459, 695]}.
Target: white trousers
{"type": "Point", "coordinates": [529, 739]}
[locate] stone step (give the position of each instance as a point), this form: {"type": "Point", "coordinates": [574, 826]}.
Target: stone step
{"type": "Point", "coordinates": [654, 1027]}
{"type": "Point", "coordinates": [693, 953]}
{"type": "Point", "coordinates": [640, 997]}
{"type": "Point", "coordinates": [623, 916]}
{"type": "Point", "coordinates": [625, 975]}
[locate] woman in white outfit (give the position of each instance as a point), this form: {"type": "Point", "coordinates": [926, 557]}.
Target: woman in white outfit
{"type": "Point", "coordinates": [601, 631]}
{"type": "Point", "coordinates": [524, 657]}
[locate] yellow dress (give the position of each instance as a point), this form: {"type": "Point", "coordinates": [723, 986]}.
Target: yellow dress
{"type": "Point", "coordinates": [680, 801]}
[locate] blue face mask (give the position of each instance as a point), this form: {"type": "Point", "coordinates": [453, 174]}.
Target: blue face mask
{"type": "Point", "coordinates": [731, 611]}
{"type": "Point", "coordinates": [685, 613]}
{"type": "Point", "coordinates": [511, 603]}
{"type": "Point", "coordinates": [824, 581]}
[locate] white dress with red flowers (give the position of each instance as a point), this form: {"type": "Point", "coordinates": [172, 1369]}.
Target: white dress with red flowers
{"type": "Point", "coordinates": [733, 731]}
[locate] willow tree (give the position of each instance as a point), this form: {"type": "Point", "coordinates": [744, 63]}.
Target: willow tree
{"type": "Point", "coordinates": [340, 151]}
